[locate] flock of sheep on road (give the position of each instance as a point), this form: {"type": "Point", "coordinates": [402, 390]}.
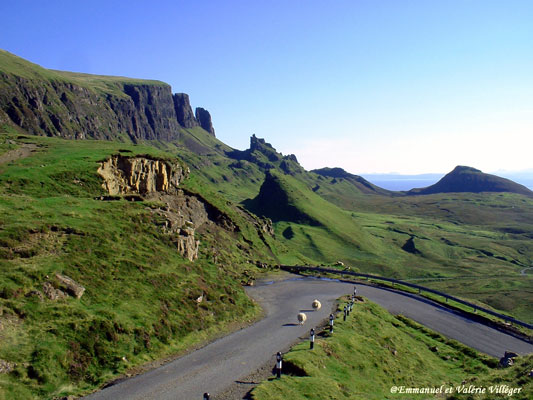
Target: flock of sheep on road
{"type": "Point", "coordinates": [302, 317]}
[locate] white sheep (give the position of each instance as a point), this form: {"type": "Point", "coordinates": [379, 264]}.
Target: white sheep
{"type": "Point", "coordinates": [302, 318]}
{"type": "Point", "coordinates": [316, 305]}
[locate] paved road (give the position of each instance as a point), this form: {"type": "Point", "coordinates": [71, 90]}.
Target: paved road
{"type": "Point", "coordinates": [221, 363]}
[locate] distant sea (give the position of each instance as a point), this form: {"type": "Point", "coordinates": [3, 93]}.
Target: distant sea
{"type": "Point", "coordinates": [408, 182]}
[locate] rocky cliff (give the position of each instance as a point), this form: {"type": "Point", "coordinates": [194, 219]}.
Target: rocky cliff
{"type": "Point", "coordinates": [265, 156]}
{"type": "Point", "coordinates": [177, 212]}
{"type": "Point", "coordinates": [140, 175]}
{"type": "Point", "coordinates": [79, 106]}
{"type": "Point", "coordinates": [204, 119]}
{"type": "Point", "coordinates": [184, 111]}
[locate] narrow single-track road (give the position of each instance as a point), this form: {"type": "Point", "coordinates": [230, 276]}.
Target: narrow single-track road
{"type": "Point", "coordinates": [216, 366]}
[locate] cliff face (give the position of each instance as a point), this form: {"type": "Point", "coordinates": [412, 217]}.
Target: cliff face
{"type": "Point", "coordinates": [184, 111]}
{"type": "Point", "coordinates": [204, 119]}
{"type": "Point", "coordinates": [80, 106]}
{"type": "Point", "coordinates": [266, 157]}
{"type": "Point", "coordinates": [179, 213]}
{"type": "Point", "coordinates": [140, 175]}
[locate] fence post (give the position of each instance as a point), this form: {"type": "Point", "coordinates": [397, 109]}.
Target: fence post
{"type": "Point", "coordinates": [312, 339]}
{"type": "Point", "coordinates": [279, 359]}
{"type": "Point", "coordinates": [331, 317]}
{"type": "Point", "coordinates": [345, 313]}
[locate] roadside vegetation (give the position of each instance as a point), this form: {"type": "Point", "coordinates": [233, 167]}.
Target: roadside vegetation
{"type": "Point", "coordinates": [373, 352]}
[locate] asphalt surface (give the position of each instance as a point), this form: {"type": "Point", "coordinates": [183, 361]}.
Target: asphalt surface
{"type": "Point", "coordinates": [225, 361]}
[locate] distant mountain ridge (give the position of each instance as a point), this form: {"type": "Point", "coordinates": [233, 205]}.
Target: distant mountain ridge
{"type": "Point", "coordinates": [468, 179]}
{"type": "Point", "coordinates": [361, 183]}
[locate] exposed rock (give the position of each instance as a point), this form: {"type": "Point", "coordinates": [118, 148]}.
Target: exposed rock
{"type": "Point", "coordinates": [62, 108]}
{"type": "Point", "coordinates": [185, 207]}
{"type": "Point", "coordinates": [204, 119]}
{"type": "Point", "coordinates": [52, 293]}
{"type": "Point", "coordinates": [143, 175]}
{"type": "Point", "coordinates": [180, 213]}
{"type": "Point", "coordinates": [36, 293]}
{"type": "Point", "coordinates": [6, 367]}
{"type": "Point", "coordinates": [72, 287]}
{"type": "Point", "coordinates": [153, 116]}
{"type": "Point", "coordinates": [187, 244]}
{"type": "Point", "coordinates": [184, 111]}
{"type": "Point", "coordinates": [265, 225]}
{"type": "Point", "coordinates": [81, 106]}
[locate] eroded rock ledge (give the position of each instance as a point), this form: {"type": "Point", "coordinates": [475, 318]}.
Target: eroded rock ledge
{"type": "Point", "coordinates": [140, 175]}
{"type": "Point", "coordinates": [177, 212]}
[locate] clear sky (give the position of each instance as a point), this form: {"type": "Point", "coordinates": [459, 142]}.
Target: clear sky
{"type": "Point", "coordinates": [367, 85]}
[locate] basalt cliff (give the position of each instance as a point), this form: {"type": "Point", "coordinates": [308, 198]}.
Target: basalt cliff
{"type": "Point", "coordinates": [81, 106]}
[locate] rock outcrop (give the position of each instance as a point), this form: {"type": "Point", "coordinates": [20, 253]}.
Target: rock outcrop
{"type": "Point", "coordinates": [140, 175]}
{"type": "Point", "coordinates": [204, 119]}
{"type": "Point", "coordinates": [187, 244]}
{"type": "Point", "coordinates": [6, 366]}
{"type": "Point", "coordinates": [52, 293]}
{"type": "Point", "coordinates": [266, 157]}
{"type": "Point", "coordinates": [177, 212]}
{"type": "Point", "coordinates": [70, 285]}
{"type": "Point", "coordinates": [184, 111]}
{"type": "Point", "coordinates": [81, 106]}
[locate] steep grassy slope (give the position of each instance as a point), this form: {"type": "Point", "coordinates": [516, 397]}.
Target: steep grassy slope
{"type": "Point", "coordinates": [374, 351]}
{"type": "Point", "coordinates": [477, 259]}
{"type": "Point", "coordinates": [141, 298]}
{"type": "Point", "coordinates": [471, 245]}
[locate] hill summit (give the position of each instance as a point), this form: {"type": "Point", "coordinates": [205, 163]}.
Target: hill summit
{"type": "Point", "coordinates": [468, 179]}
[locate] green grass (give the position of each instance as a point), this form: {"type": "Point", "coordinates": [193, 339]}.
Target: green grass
{"type": "Point", "coordinates": [464, 257]}
{"type": "Point", "coordinates": [140, 300]}
{"type": "Point", "coordinates": [373, 351]}
{"type": "Point", "coordinates": [17, 66]}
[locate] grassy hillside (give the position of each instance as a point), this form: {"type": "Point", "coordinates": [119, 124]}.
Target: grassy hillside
{"type": "Point", "coordinates": [373, 352]}
{"type": "Point", "coordinates": [141, 296]}
{"type": "Point", "coordinates": [470, 245]}
{"type": "Point", "coordinates": [17, 66]}
{"type": "Point", "coordinates": [467, 179]}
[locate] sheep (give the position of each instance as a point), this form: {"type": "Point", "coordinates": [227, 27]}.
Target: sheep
{"type": "Point", "coordinates": [316, 305]}
{"type": "Point", "coordinates": [302, 318]}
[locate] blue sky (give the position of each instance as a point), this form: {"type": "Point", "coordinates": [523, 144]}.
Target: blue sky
{"type": "Point", "coordinates": [370, 86]}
